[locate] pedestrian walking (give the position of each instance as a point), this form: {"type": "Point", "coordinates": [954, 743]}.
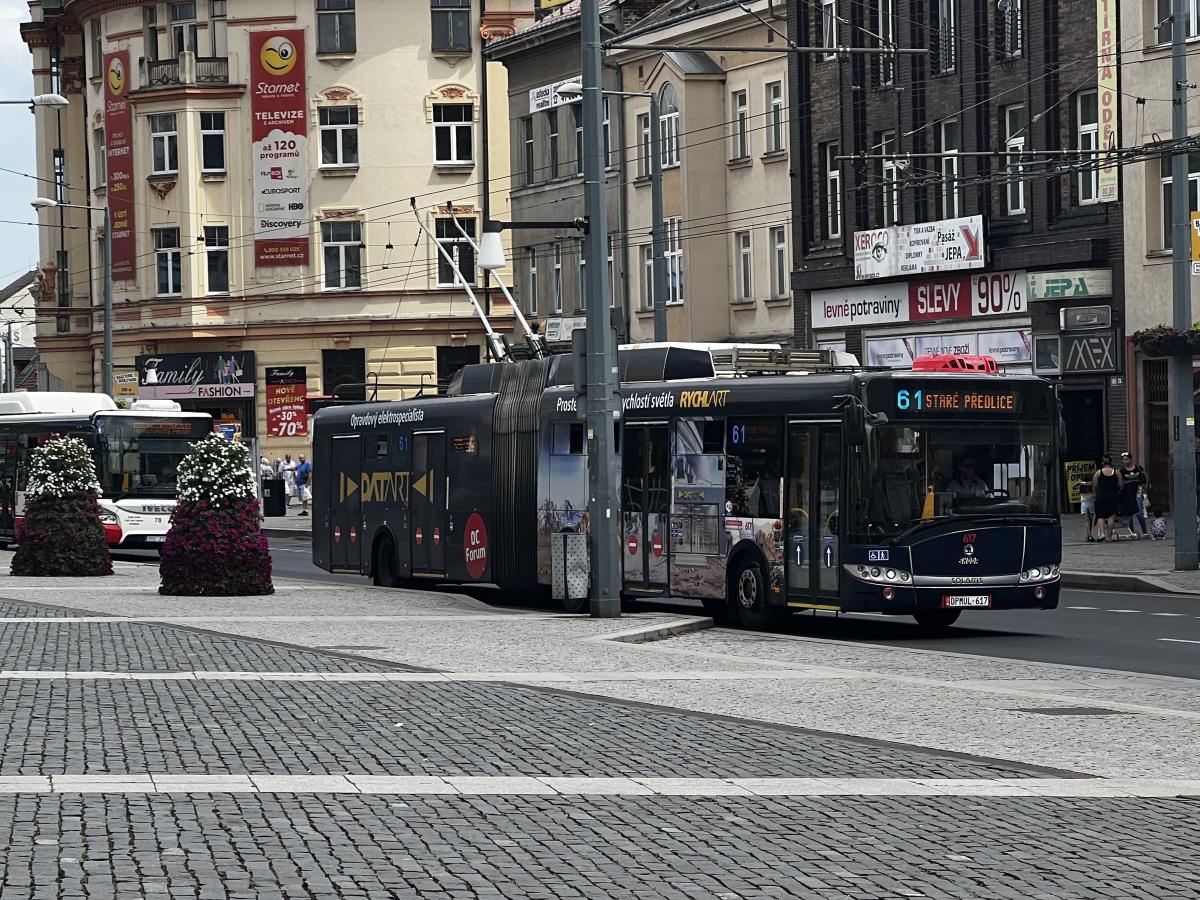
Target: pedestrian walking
{"type": "Point", "coordinates": [1087, 507]}
{"type": "Point", "coordinates": [1106, 484]}
{"type": "Point", "coordinates": [288, 472]}
{"type": "Point", "coordinates": [304, 473]}
{"type": "Point", "coordinates": [1133, 494]}
{"type": "Point", "coordinates": [264, 468]}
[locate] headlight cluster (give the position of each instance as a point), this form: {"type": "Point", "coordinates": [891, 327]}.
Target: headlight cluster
{"type": "Point", "coordinates": [109, 519]}
{"type": "Point", "coordinates": [1039, 573]}
{"type": "Point", "coordinates": [879, 574]}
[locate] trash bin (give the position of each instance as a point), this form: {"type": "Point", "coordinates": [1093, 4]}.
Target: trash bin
{"type": "Point", "coordinates": [274, 497]}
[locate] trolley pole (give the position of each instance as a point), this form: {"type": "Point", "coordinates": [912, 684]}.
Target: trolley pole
{"type": "Point", "coordinates": [1183, 504]}
{"type": "Point", "coordinates": [603, 402]}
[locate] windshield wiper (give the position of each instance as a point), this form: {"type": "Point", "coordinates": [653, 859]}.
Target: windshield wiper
{"type": "Point", "coordinates": [915, 525]}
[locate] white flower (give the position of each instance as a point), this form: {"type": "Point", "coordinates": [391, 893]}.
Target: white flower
{"type": "Point", "coordinates": [61, 467]}
{"type": "Point", "coordinates": [216, 470]}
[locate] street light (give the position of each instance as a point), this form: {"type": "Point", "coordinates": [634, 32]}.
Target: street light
{"type": "Point", "coordinates": [106, 358]}
{"type": "Point", "coordinates": [572, 92]}
{"type": "Point", "coordinates": [49, 101]}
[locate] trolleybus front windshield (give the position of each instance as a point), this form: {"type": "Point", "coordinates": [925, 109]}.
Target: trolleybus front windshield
{"type": "Point", "coordinates": [909, 474]}
{"type": "Point", "coordinates": [140, 456]}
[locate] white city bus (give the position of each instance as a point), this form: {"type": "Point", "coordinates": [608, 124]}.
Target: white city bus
{"type": "Point", "coordinates": [136, 451]}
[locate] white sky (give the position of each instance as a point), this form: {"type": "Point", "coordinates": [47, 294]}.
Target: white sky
{"type": "Point", "coordinates": [18, 243]}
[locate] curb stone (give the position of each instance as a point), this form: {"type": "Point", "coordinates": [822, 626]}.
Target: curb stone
{"type": "Point", "coordinates": [1137, 584]}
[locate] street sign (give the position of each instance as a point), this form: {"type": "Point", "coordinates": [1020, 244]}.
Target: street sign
{"type": "Point", "coordinates": [1195, 240]}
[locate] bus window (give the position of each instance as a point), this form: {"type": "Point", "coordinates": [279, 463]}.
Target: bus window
{"type": "Point", "coordinates": [829, 476]}
{"type": "Point", "coordinates": [754, 480]}
{"type": "Point", "coordinates": [799, 480]}
{"type": "Point", "coordinates": [567, 439]}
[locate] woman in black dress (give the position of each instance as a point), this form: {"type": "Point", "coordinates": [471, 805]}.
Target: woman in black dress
{"type": "Point", "coordinates": [1107, 484]}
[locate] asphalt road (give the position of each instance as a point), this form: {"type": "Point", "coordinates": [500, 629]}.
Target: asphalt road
{"type": "Point", "coordinates": [1155, 634]}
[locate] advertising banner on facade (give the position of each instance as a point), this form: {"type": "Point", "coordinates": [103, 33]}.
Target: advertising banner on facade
{"type": "Point", "coordinates": [892, 353]}
{"type": "Point", "coordinates": [1007, 346]}
{"type": "Point", "coordinates": [196, 376]}
{"type": "Point", "coordinates": [287, 388]}
{"type": "Point", "coordinates": [118, 164]}
{"type": "Point", "coordinates": [547, 97]}
{"type": "Point", "coordinates": [279, 154]}
{"type": "Point", "coordinates": [941, 246]}
{"type": "Point", "coordinates": [938, 344]}
{"type": "Point", "coordinates": [1070, 283]}
{"type": "Point", "coordinates": [928, 299]}
{"type": "Point", "coordinates": [1108, 100]}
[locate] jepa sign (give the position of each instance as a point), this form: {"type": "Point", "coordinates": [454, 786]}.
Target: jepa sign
{"type": "Point", "coordinates": [1070, 283]}
{"type": "Point", "coordinates": [942, 246]}
{"type": "Point", "coordinates": [196, 376]}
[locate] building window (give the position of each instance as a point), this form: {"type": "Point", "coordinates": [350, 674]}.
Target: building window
{"type": "Point", "coordinates": [1008, 27]}
{"type": "Point", "coordinates": [101, 158]}
{"type": "Point", "coordinates": [643, 125]}
{"type": "Point", "coordinates": [775, 117]}
{"type": "Point", "coordinates": [1191, 19]}
{"type": "Point", "coordinates": [612, 274]}
{"type": "Point", "coordinates": [183, 28]}
{"type": "Point", "coordinates": [674, 257]}
{"type": "Point", "coordinates": [216, 258]}
{"type": "Point", "coordinates": [581, 274]}
{"type": "Point", "coordinates": [949, 146]}
{"type": "Point", "coordinates": [459, 249]}
{"type": "Point", "coordinates": [531, 280]}
{"type": "Point", "coordinates": [339, 136]}
{"type": "Point", "coordinates": [556, 291]}
{"type": "Point", "coordinates": [647, 253]}
{"type": "Point", "coordinates": [344, 374]}
{"type": "Point", "coordinates": [891, 179]}
{"type": "Point", "coordinates": [886, 40]}
{"type": "Point", "coordinates": [944, 43]}
{"type": "Point", "coordinates": [831, 179]}
{"type": "Point", "coordinates": [745, 274]}
{"type": "Point", "coordinates": [527, 126]}
{"type": "Point", "coordinates": [668, 125]}
{"type": "Point", "coordinates": [1165, 187]}
{"type": "Point", "coordinates": [60, 175]}
{"type": "Point", "coordinates": [220, 29]}
{"type": "Point", "coordinates": [829, 28]}
{"type": "Point", "coordinates": [453, 134]}
{"type": "Point", "coordinates": [96, 48]}
{"type": "Point", "coordinates": [552, 142]}
{"type": "Point", "coordinates": [779, 260]}
{"type": "Point", "coordinates": [150, 31]}
{"type": "Point", "coordinates": [1014, 145]}
{"type": "Point", "coordinates": [608, 156]}
{"type": "Point", "coordinates": [335, 26]}
{"type": "Point", "coordinates": [577, 109]}
{"type": "Point", "coordinates": [343, 246]}
{"type": "Point", "coordinates": [212, 143]}
{"type": "Point", "coordinates": [1087, 140]}
{"type": "Point", "coordinates": [168, 262]}
{"type": "Point", "coordinates": [451, 26]}
{"type": "Point", "coordinates": [164, 143]}
{"type": "Point", "coordinates": [741, 125]}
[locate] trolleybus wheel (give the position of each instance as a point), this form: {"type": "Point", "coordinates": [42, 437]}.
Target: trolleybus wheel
{"type": "Point", "coordinates": [384, 568]}
{"type": "Point", "coordinates": [937, 619]}
{"type": "Point", "coordinates": [748, 596]}
{"type": "Point", "coordinates": [716, 607]}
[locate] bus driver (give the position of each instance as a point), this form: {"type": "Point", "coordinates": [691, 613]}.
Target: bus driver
{"type": "Point", "coordinates": [968, 484]}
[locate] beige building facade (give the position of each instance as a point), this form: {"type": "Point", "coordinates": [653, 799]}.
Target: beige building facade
{"type": "Point", "coordinates": [228, 244]}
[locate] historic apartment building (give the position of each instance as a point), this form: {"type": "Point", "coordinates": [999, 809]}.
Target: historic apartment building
{"type": "Point", "coordinates": [257, 160]}
{"type": "Point", "coordinates": [945, 202]}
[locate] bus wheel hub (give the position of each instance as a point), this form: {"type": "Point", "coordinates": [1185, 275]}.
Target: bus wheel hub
{"type": "Point", "coordinates": [747, 589]}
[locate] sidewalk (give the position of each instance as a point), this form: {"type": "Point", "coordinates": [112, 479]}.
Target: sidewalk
{"type": "Point", "coordinates": [1142, 566]}
{"type": "Point", "coordinates": [293, 525]}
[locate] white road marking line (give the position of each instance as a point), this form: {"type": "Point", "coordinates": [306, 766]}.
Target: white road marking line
{"type": "Point", "coordinates": [1081, 607]}
{"type": "Point", "coordinates": [1173, 615]}
{"type": "Point", "coordinates": [518, 785]}
{"type": "Point", "coordinates": [793, 674]}
{"type": "Point", "coordinates": [1123, 610]}
{"type": "Point", "coordinates": [1179, 641]}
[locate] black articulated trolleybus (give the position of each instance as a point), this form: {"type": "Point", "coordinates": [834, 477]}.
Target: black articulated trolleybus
{"type": "Point", "coordinates": [754, 480]}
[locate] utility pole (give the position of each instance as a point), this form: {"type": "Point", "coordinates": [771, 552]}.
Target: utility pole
{"type": "Point", "coordinates": [1183, 504]}
{"type": "Point", "coordinates": [602, 402]}
{"type": "Point", "coordinates": [658, 239]}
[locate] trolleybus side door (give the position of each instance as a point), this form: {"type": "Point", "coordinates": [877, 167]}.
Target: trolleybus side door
{"type": "Point", "coordinates": [345, 502]}
{"type": "Point", "coordinates": [814, 469]}
{"type": "Point", "coordinates": [646, 505]}
{"type": "Point", "coordinates": [427, 498]}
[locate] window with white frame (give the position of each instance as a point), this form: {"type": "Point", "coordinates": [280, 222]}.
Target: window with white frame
{"type": "Point", "coordinates": [668, 125]}
{"type": "Point", "coordinates": [60, 175]}
{"type": "Point", "coordinates": [339, 136]}
{"type": "Point", "coordinates": [342, 245]}
{"type": "Point", "coordinates": [577, 109]}
{"type": "Point", "coordinates": [335, 26]}
{"type": "Point", "coordinates": [552, 143]}
{"type": "Point", "coordinates": [745, 274]}
{"type": "Point", "coordinates": [1087, 141]}
{"type": "Point", "coordinates": [216, 258]}
{"type": "Point", "coordinates": [948, 146]}
{"type": "Point", "coordinates": [643, 127]}
{"type": "Point", "coordinates": [183, 27]}
{"type": "Point", "coordinates": [890, 173]}
{"type": "Point", "coordinates": [829, 28]}
{"type": "Point", "coordinates": [612, 273]}
{"type": "Point", "coordinates": [164, 145]}
{"type": "Point", "coordinates": [212, 143]}
{"type": "Point", "coordinates": [581, 275]}
{"type": "Point", "coordinates": [168, 262]}
{"type": "Point", "coordinates": [831, 179]}
{"type": "Point", "coordinates": [451, 26]}
{"type": "Point", "coordinates": [458, 248]}
{"type": "Point", "coordinates": [527, 127]}
{"type": "Point", "coordinates": [608, 154]}
{"type": "Point", "coordinates": [741, 125]}
{"type": "Point", "coordinates": [885, 22]}
{"type": "Point", "coordinates": [101, 156]}
{"type": "Point", "coordinates": [556, 283]}
{"type": "Point", "coordinates": [531, 285]}
{"type": "Point", "coordinates": [647, 293]}
{"type": "Point", "coordinates": [453, 134]}
{"type": "Point", "coordinates": [1163, 19]}
{"type": "Point", "coordinates": [674, 259]}
{"type": "Point", "coordinates": [945, 48]}
{"type": "Point", "coordinates": [779, 263]}
{"type": "Point", "coordinates": [219, 26]}
{"type": "Point", "coordinates": [96, 48]}
{"type": "Point", "coordinates": [1009, 30]}
{"type": "Point", "coordinates": [1014, 146]}
{"type": "Point", "coordinates": [1166, 198]}
{"type": "Point", "coordinates": [775, 136]}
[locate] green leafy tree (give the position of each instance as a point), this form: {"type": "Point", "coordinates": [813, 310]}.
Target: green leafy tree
{"type": "Point", "coordinates": [62, 534]}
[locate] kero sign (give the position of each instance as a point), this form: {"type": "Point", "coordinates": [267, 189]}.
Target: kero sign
{"type": "Point", "coordinates": [941, 246]}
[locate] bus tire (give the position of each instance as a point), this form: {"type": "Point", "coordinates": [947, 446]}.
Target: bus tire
{"type": "Point", "coordinates": [383, 566]}
{"type": "Point", "coordinates": [937, 619]}
{"type": "Point", "coordinates": [717, 608]}
{"type": "Point", "coordinates": [748, 596]}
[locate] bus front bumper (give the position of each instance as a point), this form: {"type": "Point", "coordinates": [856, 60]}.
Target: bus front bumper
{"type": "Point", "coordinates": [905, 600]}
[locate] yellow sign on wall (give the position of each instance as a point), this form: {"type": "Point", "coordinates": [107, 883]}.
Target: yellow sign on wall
{"type": "Point", "coordinates": [1196, 237]}
{"type": "Point", "coordinates": [125, 384]}
{"type": "Point", "coordinates": [1078, 471]}
{"type": "Point", "coordinates": [1107, 96]}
